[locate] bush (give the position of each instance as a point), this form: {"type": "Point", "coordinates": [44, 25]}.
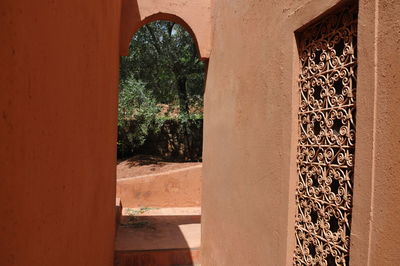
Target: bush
{"type": "Point", "coordinates": [144, 128]}
{"type": "Point", "coordinates": [177, 140]}
{"type": "Point", "coordinates": [137, 111]}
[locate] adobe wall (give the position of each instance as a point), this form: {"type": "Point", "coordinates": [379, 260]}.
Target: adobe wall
{"type": "Point", "coordinates": [385, 195]}
{"type": "Point", "coordinates": [58, 100]}
{"type": "Point", "coordinates": [249, 169]}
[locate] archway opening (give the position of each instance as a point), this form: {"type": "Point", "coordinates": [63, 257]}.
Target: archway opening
{"type": "Point", "coordinates": [160, 125]}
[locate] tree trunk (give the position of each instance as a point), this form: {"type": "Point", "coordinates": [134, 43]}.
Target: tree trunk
{"type": "Point", "coordinates": [183, 96]}
{"type": "Point", "coordinates": [184, 110]}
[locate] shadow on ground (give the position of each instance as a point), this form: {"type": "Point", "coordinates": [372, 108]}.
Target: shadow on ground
{"type": "Point", "coordinates": [158, 240]}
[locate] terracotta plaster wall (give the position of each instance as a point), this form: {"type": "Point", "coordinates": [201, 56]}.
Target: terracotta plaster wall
{"type": "Point", "coordinates": [249, 169]}
{"type": "Point", "coordinates": [385, 225]}
{"type": "Point", "coordinates": [248, 125]}
{"type": "Point", "coordinates": [58, 101]}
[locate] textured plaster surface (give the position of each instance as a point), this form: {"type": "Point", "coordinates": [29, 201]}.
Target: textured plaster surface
{"type": "Point", "coordinates": [248, 131]}
{"type": "Point", "coordinates": [58, 101]}
{"type": "Point", "coordinates": [385, 225]}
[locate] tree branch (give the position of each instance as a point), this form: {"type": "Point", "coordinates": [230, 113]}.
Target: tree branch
{"type": "Point", "coordinates": [154, 39]}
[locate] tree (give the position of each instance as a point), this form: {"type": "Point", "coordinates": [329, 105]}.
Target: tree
{"type": "Point", "coordinates": [163, 55]}
{"type": "Point", "coordinates": [137, 112]}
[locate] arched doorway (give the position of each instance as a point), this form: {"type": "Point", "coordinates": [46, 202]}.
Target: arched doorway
{"type": "Point", "coordinates": [161, 87]}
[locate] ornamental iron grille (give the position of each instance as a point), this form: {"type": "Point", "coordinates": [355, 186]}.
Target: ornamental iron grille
{"type": "Point", "coordinates": [325, 153]}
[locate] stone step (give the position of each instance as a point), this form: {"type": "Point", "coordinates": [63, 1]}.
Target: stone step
{"type": "Point", "coordinates": [159, 237]}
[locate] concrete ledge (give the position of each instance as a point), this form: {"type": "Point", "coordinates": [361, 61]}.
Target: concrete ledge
{"type": "Point", "coordinates": [158, 257]}
{"type": "Point", "coordinates": [118, 211]}
{"type": "Point", "coordinates": [158, 237]}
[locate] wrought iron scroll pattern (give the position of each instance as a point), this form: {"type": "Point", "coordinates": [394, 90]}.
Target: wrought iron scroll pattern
{"type": "Point", "coordinates": [325, 153]}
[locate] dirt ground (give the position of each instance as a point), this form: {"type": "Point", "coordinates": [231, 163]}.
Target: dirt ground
{"type": "Point", "coordinates": [145, 165]}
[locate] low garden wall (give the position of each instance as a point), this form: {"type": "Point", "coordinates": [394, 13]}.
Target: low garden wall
{"type": "Point", "coordinates": [177, 188]}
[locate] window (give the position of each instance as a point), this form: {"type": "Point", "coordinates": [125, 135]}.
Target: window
{"type": "Point", "coordinates": [326, 144]}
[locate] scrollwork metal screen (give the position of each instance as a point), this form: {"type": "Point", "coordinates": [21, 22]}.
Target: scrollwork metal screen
{"type": "Point", "coordinates": [325, 154]}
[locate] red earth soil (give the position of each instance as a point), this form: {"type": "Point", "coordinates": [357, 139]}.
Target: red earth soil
{"type": "Point", "coordinates": [144, 165]}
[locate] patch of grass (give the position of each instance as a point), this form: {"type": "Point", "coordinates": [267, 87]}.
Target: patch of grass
{"type": "Point", "coordinates": [134, 212]}
{"type": "Point", "coordinates": [133, 218]}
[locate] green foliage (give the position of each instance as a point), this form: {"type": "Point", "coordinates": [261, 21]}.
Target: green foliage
{"type": "Point", "coordinates": [134, 220]}
{"type": "Point", "coordinates": [179, 139]}
{"type": "Point", "coordinates": [160, 54]}
{"type": "Point", "coordinates": [136, 104]}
